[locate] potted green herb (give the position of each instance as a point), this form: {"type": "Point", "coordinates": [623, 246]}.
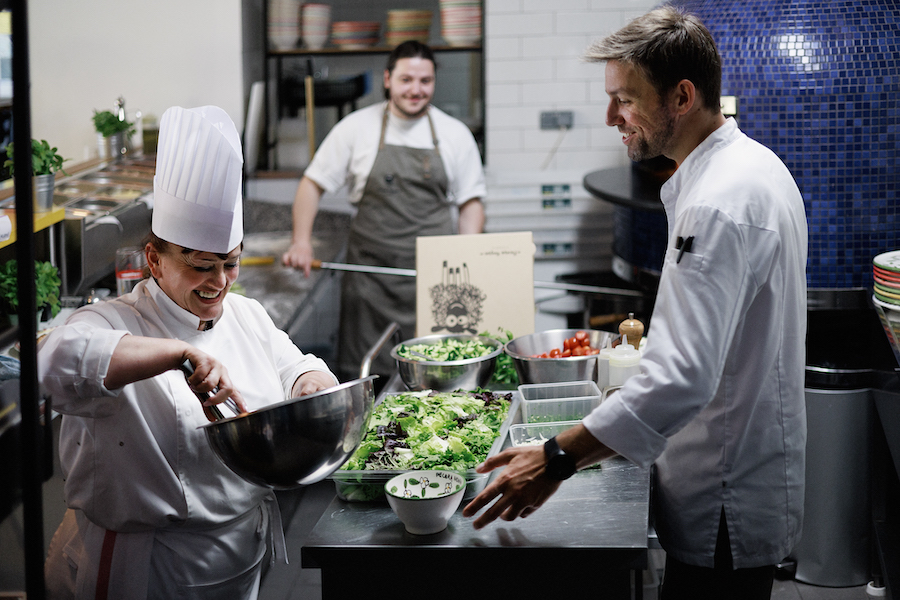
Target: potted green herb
{"type": "Point", "coordinates": [111, 133]}
{"type": "Point", "coordinates": [46, 282]}
{"type": "Point", "coordinates": [45, 162]}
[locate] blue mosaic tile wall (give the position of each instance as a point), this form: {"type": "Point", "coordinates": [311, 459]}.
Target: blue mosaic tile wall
{"type": "Point", "coordinates": [818, 82]}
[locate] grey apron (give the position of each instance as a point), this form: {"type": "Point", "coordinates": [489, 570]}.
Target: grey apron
{"type": "Point", "coordinates": [404, 197]}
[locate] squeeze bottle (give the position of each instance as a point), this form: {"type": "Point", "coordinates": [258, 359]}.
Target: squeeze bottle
{"type": "Point", "coordinates": [603, 365]}
{"type": "Point", "coordinates": [623, 363]}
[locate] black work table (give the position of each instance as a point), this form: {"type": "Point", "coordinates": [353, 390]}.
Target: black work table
{"type": "Point", "coordinates": [626, 186]}
{"type": "Point", "coordinates": [590, 535]}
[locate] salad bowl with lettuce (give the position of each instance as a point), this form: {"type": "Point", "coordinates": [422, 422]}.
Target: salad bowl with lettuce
{"type": "Point", "coordinates": [422, 430]}
{"type": "Point", "coordinates": [447, 362]}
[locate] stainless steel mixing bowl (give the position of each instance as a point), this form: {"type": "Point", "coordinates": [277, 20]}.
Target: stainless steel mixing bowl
{"type": "Point", "coordinates": [553, 370]}
{"type": "Point", "coordinates": [447, 376]}
{"type": "Point", "coordinates": [298, 441]}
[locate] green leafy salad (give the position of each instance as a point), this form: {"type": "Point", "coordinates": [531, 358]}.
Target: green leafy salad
{"type": "Point", "coordinates": [445, 350]}
{"type": "Point", "coordinates": [505, 376]}
{"type": "Point", "coordinates": [428, 430]}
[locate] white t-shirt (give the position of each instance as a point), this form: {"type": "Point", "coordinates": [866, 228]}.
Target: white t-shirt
{"type": "Point", "coordinates": [347, 153]}
{"type": "Point", "coordinates": [719, 404]}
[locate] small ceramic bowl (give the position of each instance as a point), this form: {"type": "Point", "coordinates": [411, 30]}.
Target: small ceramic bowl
{"type": "Point", "coordinates": [425, 500]}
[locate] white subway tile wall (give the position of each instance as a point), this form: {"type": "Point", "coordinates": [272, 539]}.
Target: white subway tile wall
{"type": "Point", "coordinates": [533, 64]}
{"type": "Point", "coordinates": [533, 51]}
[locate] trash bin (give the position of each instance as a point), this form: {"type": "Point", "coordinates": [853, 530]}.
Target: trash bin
{"type": "Point", "coordinates": [835, 548]}
{"type": "Point", "coordinates": [846, 349]}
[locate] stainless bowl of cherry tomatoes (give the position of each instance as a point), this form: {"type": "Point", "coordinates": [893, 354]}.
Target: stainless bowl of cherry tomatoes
{"type": "Point", "coordinates": [558, 355]}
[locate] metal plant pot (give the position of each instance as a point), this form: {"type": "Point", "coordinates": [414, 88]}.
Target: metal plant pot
{"type": "Point", "coordinates": [112, 146]}
{"type": "Point", "coordinates": [43, 192]}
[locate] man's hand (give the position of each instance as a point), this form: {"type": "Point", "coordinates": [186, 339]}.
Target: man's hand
{"type": "Point", "coordinates": [299, 256]}
{"type": "Point", "coordinates": [521, 488]}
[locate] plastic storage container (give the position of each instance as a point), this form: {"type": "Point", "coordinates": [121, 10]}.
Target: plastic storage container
{"type": "Point", "coordinates": [564, 401]}
{"type": "Point", "coordinates": [534, 434]}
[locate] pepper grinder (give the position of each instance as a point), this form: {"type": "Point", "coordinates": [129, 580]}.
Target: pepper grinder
{"type": "Point", "coordinates": [631, 331]}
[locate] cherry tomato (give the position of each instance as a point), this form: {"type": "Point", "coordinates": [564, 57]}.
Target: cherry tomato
{"type": "Point", "coordinates": [581, 336]}
{"type": "Point", "coordinates": [578, 351]}
{"type": "Point", "coordinates": [554, 353]}
{"type": "Point", "coordinates": [566, 354]}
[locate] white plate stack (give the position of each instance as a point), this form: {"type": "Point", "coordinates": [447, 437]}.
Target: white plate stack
{"type": "Point", "coordinates": [461, 21]}
{"type": "Point", "coordinates": [284, 23]}
{"type": "Point", "coordinates": [315, 20]}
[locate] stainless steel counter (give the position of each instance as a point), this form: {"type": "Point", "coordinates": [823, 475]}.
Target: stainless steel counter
{"type": "Point", "coordinates": [592, 534]}
{"type": "Point", "coordinates": [285, 292]}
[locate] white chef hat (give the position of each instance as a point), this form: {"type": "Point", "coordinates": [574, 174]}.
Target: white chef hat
{"type": "Point", "coordinates": [197, 186]}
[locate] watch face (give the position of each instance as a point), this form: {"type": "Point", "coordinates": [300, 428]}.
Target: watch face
{"type": "Point", "coordinates": [561, 466]}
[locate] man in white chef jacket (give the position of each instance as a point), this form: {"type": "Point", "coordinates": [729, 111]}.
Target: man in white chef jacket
{"type": "Point", "coordinates": [718, 406]}
{"type": "Point", "coordinates": [152, 511]}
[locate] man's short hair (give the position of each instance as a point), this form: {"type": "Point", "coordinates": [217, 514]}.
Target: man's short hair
{"type": "Point", "coordinates": [667, 45]}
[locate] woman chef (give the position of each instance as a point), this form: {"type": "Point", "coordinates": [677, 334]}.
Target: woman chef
{"type": "Point", "coordinates": [152, 512]}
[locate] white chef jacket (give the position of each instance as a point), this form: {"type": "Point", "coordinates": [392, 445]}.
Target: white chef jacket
{"type": "Point", "coordinates": [347, 153]}
{"type": "Point", "coordinates": [133, 458]}
{"type": "Point", "coordinates": [719, 404]}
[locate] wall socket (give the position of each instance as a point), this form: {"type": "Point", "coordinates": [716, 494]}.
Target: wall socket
{"type": "Point", "coordinates": [557, 119]}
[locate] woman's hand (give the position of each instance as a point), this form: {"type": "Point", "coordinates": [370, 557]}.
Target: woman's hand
{"type": "Point", "coordinates": [210, 375]}
{"type": "Point", "coordinates": [311, 381]}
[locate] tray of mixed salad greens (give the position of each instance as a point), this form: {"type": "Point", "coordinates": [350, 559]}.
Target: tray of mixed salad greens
{"type": "Point", "coordinates": [428, 430]}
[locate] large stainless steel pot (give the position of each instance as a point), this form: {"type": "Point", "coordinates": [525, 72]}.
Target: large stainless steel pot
{"type": "Point", "coordinates": [296, 442]}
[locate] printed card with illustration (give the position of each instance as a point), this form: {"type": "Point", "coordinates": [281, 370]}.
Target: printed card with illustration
{"type": "Point", "coordinates": [475, 283]}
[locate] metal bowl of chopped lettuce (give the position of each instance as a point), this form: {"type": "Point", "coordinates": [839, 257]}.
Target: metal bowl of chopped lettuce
{"type": "Point", "coordinates": [445, 363]}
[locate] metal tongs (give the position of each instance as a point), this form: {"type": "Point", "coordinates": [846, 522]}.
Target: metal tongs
{"type": "Point", "coordinates": [212, 412]}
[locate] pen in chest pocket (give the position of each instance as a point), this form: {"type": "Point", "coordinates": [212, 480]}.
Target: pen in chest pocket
{"type": "Point", "coordinates": [683, 245]}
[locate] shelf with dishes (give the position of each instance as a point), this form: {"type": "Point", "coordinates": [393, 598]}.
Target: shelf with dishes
{"type": "Point", "coordinates": [380, 49]}
{"type": "Point", "coordinates": [304, 39]}
{"type": "Point", "coordinates": [291, 24]}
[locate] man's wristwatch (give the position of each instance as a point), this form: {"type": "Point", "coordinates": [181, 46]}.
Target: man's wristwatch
{"type": "Point", "coordinates": [560, 466]}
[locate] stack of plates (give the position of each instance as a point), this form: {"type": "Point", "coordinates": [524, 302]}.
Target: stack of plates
{"type": "Point", "coordinates": [886, 271]}
{"type": "Point", "coordinates": [314, 20]}
{"type": "Point", "coordinates": [284, 23]}
{"type": "Point", "coordinates": [355, 34]}
{"type": "Point", "coordinates": [405, 25]}
{"type": "Point", "coordinates": [461, 21]}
